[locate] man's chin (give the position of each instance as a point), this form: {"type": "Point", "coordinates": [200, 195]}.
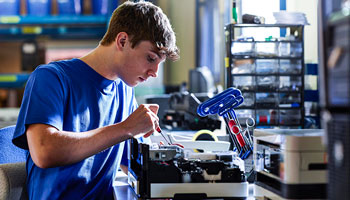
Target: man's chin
{"type": "Point", "coordinates": [132, 84]}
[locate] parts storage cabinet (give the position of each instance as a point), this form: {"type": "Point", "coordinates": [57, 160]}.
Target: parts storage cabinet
{"type": "Point", "coordinates": [269, 72]}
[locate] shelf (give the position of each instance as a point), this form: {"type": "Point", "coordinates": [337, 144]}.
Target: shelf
{"type": "Point", "coordinates": [66, 20]}
{"type": "Point", "coordinates": [270, 91]}
{"type": "Point", "coordinates": [266, 74]}
{"type": "Point", "coordinates": [265, 57]}
{"type": "Point", "coordinates": [266, 25]}
{"type": "Point", "coordinates": [74, 26]}
{"type": "Point", "coordinates": [12, 81]}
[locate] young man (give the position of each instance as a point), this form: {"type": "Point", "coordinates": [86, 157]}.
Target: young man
{"type": "Point", "coordinates": [76, 114]}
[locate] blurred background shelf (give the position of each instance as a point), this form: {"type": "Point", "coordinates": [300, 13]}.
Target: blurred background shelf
{"type": "Point", "coordinates": [56, 27]}
{"type": "Point", "coordinates": [13, 81]}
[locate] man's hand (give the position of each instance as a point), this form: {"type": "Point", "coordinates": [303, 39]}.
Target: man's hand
{"type": "Point", "coordinates": [143, 121]}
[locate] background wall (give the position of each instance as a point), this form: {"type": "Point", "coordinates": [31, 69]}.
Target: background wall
{"type": "Point", "coordinates": [309, 7]}
{"type": "Point", "coordinates": [182, 17]}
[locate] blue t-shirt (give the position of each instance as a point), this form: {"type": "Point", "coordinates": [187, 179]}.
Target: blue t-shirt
{"type": "Point", "coordinates": [71, 96]}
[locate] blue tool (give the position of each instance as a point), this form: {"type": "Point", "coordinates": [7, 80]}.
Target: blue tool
{"type": "Point", "coordinates": [223, 104]}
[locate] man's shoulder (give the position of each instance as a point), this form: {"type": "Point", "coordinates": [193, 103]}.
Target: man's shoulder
{"type": "Point", "coordinates": [56, 67]}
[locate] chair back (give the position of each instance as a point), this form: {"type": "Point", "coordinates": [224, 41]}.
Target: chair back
{"type": "Point", "coordinates": [9, 153]}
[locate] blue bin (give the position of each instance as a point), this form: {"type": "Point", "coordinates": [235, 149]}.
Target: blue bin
{"type": "Point", "coordinates": [69, 7]}
{"type": "Point", "coordinates": [39, 7]}
{"type": "Point", "coordinates": [9, 7]}
{"type": "Point", "coordinates": [104, 7]}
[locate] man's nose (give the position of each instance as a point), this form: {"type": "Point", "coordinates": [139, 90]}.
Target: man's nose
{"type": "Point", "coordinates": [153, 72]}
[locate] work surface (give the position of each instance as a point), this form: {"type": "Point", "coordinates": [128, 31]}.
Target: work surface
{"type": "Point", "coordinates": [122, 191]}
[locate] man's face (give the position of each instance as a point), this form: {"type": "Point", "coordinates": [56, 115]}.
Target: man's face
{"type": "Point", "coordinates": [139, 63]}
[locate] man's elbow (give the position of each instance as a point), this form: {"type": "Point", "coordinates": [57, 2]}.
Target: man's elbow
{"type": "Point", "coordinates": [43, 159]}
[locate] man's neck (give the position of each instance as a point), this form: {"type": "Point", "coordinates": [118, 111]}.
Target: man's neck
{"type": "Point", "coordinates": [98, 59]}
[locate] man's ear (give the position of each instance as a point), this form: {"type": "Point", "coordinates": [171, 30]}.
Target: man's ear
{"type": "Point", "coordinates": [121, 40]}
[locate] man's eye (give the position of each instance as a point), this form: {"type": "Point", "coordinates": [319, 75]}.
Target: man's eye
{"type": "Point", "coordinates": [151, 60]}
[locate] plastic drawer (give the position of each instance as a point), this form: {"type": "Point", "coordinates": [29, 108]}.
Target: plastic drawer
{"type": "Point", "coordinates": [289, 100]}
{"type": "Point", "coordinates": [287, 66]}
{"type": "Point", "coordinates": [290, 49]}
{"type": "Point", "coordinates": [267, 83]}
{"type": "Point", "coordinates": [290, 117]}
{"type": "Point", "coordinates": [290, 83]}
{"type": "Point", "coordinates": [266, 117]}
{"type": "Point", "coordinates": [243, 66]}
{"type": "Point", "coordinates": [242, 48]}
{"type": "Point", "coordinates": [243, 115]}
{"type": "Point", "coordinates": [266, 49]}
{"type": "Point", "coordinates": [249, 99]}
{"type": "Point", "coordinates": [244, 82]}
{"type": "Point", "coordinates": [266, 66]}
{"type": "Point", "coordinates": [266, 100]}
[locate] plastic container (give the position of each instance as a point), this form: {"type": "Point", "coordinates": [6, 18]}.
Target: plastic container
{"type": "Point", "coordinates": [249, 99]}
{"type": "Point", "coordinates": [266, 66]}
{"type": "Point", "coordinates": [39, 7]}
{"type": "Point", "coordinates": [104, 7]}
{"type": "Point", "coordinates": [290, 117]}
{"type": "Point", "coordinates": [266, 117]}
{"type": "Point", "coordinates": [242, 48]}
{"type": "Point", "coordinates": [268, 49]}
{"type": "Point", "coordinates": [288, 100]}
{"type": "Point", "coordinates": [69, 7]}
{"type": "Point", "coordinates": [290, 83]}
{"type": "Point", "coordinates": [288, 66]}
{"type": "Point", "coordinates": [243, 66]}
{"type": "Point", "coordinates": [244, 82]}
{"type": "Point", "coordinates": [290, 49]}
{"type": "Point", "coordinates": [9, 7]}
{"type": "Point", "coordinates": [266, 100]}
{"type": "Point", "coordinates": [267, 83]}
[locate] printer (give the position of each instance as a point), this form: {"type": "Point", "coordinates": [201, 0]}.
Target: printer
{"type": "Point", "coordinates": [290, 164]}
{"type": "Point", "coordinates": [170, 171]}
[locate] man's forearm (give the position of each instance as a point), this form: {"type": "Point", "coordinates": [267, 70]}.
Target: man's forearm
{"type": "Point", "coordinates": [50, 147]}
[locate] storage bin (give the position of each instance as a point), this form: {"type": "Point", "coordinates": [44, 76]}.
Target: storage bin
{"type": "Point", "coordinates": [267, 117]}
{"type": "Point", "coordinates": [290, 66]}
{"type": "Point", "coordinates": [288, 100]}
{"type": "Point", "coordinates": [243, 115]}
{"type": "Point", "coordinates": [249, 99]}
{"type": "Point", "coordinates": [266, 66]}
{"type": "Point", "coordinates": [290, 83]}
{"type": "Point", "coordinates": [242, 48]}
{"type": "Point", "coordinates": [244, 82]}
{"type": "Point", "coordinates": [266, 100]}
{"type": "Point", "coordinates": [290, 117]}
{"type": "Point", "coordinates": [104, 7]}
{"type": "Point", "coordinates": [9, 7]}
{"type": "Point", "coordinates": [39, 7]}
{"type": "Point", "coordinates": [267, 83]}
{"type": "Point", "coordinates": [69, 7]}
{"type": "Point", "coordinates": [243, 66]}
{"type": "Point", "coordinates": [268, 49]}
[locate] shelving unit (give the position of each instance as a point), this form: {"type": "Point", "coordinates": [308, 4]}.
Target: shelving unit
{"type": "Point", "coordinates": [270, 74]}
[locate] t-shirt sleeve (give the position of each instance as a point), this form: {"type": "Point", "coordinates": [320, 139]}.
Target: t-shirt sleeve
{"type": "Point", "coordinates": [42, 102]}
{"type": "Point", "coordinates": [133, 107]}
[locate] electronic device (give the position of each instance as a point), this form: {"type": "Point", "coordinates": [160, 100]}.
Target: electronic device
{"type": "Point", "coordinates": [290, 164]}
{"type": "Point", "coordinates": [179, 173]}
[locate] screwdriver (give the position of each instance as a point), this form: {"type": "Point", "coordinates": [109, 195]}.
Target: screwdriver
{"type": "Point", "coordinates": [160, 131]}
